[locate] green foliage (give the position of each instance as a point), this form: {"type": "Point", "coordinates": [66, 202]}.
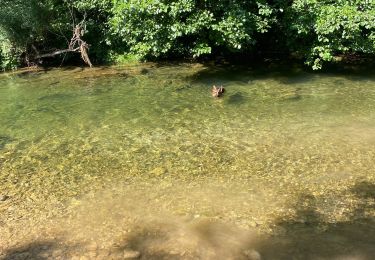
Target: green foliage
{"type": "Point", "coordinates": [15, 29]}
{"type": "Point", "coordinates": [20, 19]}
{"type": "Point", "coordinates": [46, 25]}
{"type": "Point", "coordinates": [8, 54]}
{"type": "Point", "coordinates": [126, 30]}
{"type": "Point", "coordinates": [156, 28]}
{"type": "Point", "coordinates": [31, 24]}
{"type": "Point", "coordinates": [320, 29]}
{"type": "Point", "coordinates": [126, 58]}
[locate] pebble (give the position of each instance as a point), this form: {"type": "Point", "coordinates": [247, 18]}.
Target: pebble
{"type": "Point", "coordinates": [3, 197]}
{"type": "Point", "coordinates": [92, 246]}
{"type": "Point", "coordinates": [91, 254]}
{"type": "Point", "coordinates": [57, 253]}
{"type": "Point", "coordinates": [45, 255]}
{"type": "Point", "coordinates": [252, 254]}
{"type": "Point", "coordinates": [253, 224]}
{"type": "Point", "coordinates": [158, 171]}
{"type": "Point", "coordinates": [103, 255]}
{"type": "Point", "coordinates": [131, 254]}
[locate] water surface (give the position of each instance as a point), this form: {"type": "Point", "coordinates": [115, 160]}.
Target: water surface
{"type": "Point", "coordinates": [285, 152]}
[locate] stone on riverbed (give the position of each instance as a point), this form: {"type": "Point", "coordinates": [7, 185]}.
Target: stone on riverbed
{"type": "Point", "coordinates": [252, 255]}
{"type": "Point", "coordinates": [3, 198]}
{"type": "Point", "coordinates": [158, 171]}
{"type": "Point", "coordinates": [131, 254]}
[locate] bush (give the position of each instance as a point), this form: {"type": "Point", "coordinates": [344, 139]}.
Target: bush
{"type": "Point", "coordinates": [9, 57]}
{"type": "Point", "coordinates": [321, 29]}
{"type": "Point", "coordinates": [159, 28]}
{"type": "Point", "coordinates": [127, 30]}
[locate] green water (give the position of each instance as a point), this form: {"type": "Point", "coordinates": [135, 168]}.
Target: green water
{"type": "Point", "coordinates": [280, 142]}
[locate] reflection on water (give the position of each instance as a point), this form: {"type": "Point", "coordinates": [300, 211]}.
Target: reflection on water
{"type": "Point", "coordinates": [284, 153]}
{"type": "Point", "coordinates": [237, 99]}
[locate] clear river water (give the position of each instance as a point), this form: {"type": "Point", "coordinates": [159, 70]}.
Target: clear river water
{"type": "Point", "coordinates": [140, 161]}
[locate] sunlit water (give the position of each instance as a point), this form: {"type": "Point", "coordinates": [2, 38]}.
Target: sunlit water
{"type": "Point", "coordinates": [106, 154]}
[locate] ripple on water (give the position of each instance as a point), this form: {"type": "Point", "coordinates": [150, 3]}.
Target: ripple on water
{"type": "Point", "coordinates": [277, 149]}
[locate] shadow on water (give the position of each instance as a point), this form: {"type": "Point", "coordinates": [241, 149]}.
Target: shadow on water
{"type": "Point", "coordinates": [57, 97]}
{"type": "Point", "coordinates": [29, 74]}
{"type": "Point", "coordinates": [284, 72]}
{"type": "Point", "coordinates": [37, 250]}
{"type": "Point", "coordinates": [236, 99]}
{"type": "Point", "coordinates": [246, 75]}
{"type": "Point", "coordinates": [366, 191]}
{"type": "Point", "coordinates": [69, 68]}
{"type": "Point", "coordinates": [308, 235]}
{"type": "Point", "coordinates": [4, 140]}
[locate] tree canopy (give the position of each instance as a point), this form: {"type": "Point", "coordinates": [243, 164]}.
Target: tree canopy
{"type": "Point", "coordinates": [317, 30]}
{"type": "Point", "coordinates": [189, 27]}
{"type": "Point", "coordinates": [321, 29]}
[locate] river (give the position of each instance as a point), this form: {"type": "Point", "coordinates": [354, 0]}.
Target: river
{"type": "Point", "coordinates": [105, 162]}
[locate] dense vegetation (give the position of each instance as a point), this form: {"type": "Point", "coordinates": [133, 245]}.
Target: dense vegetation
{"type": "Point", "coordinates": [315, 30]}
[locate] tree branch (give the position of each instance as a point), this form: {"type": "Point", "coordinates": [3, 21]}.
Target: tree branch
{"type": "Point", "coordinates": [52, 54]}
{"type": "Point", "coordinates": [76, 44]}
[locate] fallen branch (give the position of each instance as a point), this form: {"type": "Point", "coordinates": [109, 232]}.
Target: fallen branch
{"type": "Point", "coordinates": [52, 54]}
{"type": "Point", "coordinates": [76, 45]}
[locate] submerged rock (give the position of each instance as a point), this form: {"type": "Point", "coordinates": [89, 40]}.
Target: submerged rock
{"type": "Point", "coordinates": [3, 197]}
{"type": "Point", "coordinates": [252, 254]}
{"type": "Point", "coordinates": [158, 171]}
{"type": "Point", "coordinates": [131, 254]}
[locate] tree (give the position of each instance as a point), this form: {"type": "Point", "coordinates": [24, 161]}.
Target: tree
{"type": "Point", "coordinates": [32, 30]}
{"type": "Point", "coordinates": [320, 29]}
{"type": "Point", "coordinates": [157, 28]}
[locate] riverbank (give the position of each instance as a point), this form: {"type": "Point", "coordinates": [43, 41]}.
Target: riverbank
{"type": "Point", "coordinates": [343, 64]}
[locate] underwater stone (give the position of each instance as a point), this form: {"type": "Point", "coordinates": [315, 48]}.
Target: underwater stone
{"type": "Point", "coordinates": [3, 197]}
{"type": "Point", "coordinates": [252, 255]}
{"type": "Point", "coordinates": [158, 171]}
{"type": "Point", "coordinates": [130, 254]}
